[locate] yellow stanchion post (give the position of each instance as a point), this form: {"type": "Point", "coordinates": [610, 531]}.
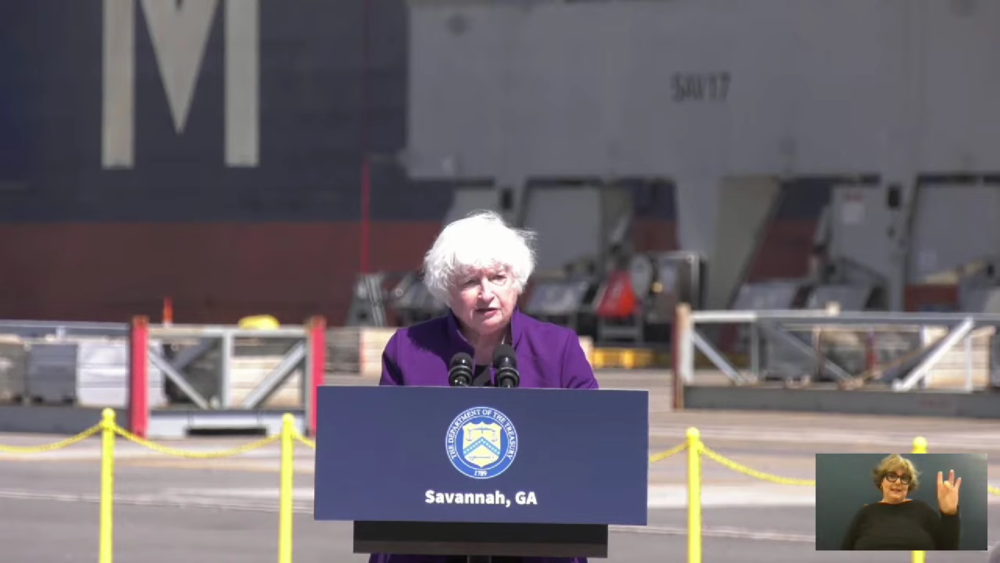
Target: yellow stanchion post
{"type": "Point", "coordinates": [919, 447]}
{"type": "Point", "coordinates": [694, 495]}
{"type": "Point", "coordinates": [107, 485]}
{"type": "Point", "coordinates": [287, 482]}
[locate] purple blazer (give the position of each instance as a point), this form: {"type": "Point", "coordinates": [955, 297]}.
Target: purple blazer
{"type": "Point", "coordinates": [548, 356]}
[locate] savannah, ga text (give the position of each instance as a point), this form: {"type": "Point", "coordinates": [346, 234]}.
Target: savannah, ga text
{"type": "Point", "coordinates": [497, 498]}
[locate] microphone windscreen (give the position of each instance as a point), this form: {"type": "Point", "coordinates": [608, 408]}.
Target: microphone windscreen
{"type": "Point", "coordinates": [461, 359]}
{"type": "Point", "coordinates": [505, 352]}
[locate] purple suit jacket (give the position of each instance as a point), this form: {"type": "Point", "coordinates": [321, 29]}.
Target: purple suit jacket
{"type": "Point", "coordinates": [548, 356]}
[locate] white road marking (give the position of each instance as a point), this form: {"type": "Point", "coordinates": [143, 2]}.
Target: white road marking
{"type": "Point", "coordinates": [719, 532]}
{"type": "Point", "coordinates": [89, 453]}
{"type": "Point", "coordinates": [719, 496]}
{"type": "Point", "coordinates": [153, 501]}
{"type": "Point", "coordinates": [660, 496]}
{"type": "Point", "coordinates": [264, 500]}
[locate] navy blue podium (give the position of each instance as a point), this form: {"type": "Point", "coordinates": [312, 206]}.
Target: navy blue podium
{"type": "Point", "coordinates": [482, 471]}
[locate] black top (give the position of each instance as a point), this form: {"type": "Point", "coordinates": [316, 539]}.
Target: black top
{"type": "Point", "coordinates": [482, 376]}
{"type": "Point", "coordinates": [911, 526]}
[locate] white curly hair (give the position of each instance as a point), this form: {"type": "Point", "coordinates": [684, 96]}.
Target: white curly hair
{"type": "Point", "coordinates": [479, 241]}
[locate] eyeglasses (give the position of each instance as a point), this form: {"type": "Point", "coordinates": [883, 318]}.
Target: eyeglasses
{"type": "Point", "coordinates": [892, 478]}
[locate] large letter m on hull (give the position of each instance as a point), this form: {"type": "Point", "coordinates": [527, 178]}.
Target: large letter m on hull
{"type": "Point", "coordinates": [179, 32]}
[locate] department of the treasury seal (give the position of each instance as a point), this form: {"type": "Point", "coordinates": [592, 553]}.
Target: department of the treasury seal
{"type": "Point", "coordinates": [481, 442]}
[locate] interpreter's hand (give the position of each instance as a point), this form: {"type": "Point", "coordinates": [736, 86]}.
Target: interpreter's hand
{"type": "Point", "coordinates": [947, 493]}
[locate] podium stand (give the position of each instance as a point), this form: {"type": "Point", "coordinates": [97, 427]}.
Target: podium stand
{"type": "Point", "coordinates": [482, 471]}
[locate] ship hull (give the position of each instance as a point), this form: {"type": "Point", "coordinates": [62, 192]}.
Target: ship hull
{"type": "Point", "coordinates": [212, 154]}
{"type": "Point", "coordinates": [209, 151]}
{"type": "Point", "coordinates": [213, 272]}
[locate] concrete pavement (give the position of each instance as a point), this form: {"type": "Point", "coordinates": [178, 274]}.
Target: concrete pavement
{"type": "Point", "coordinates": [172, 510]}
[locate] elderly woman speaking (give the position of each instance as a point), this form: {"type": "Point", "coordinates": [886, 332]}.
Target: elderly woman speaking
{"type": "Point", "coordinates": [900, 523]}
{"type": "Point", "coordinates": [479, 266]}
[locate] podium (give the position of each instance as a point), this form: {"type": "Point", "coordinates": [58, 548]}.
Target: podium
{"type": "Point", "coordinates": [482, 471]}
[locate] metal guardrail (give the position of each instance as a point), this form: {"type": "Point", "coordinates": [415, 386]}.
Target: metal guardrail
{"type": "Point", "coordinates": [61, 330]}
{"type": "Point", "coordinates": [119, 365]}
{"type": "Point", "coordinates": [343, 343]}
{"type": "Point", "coordinates": [201, 340]}
{"type": "Point", "coordinates": [903, 351]}
{"type": "Point", "coordinates": [302, 350]}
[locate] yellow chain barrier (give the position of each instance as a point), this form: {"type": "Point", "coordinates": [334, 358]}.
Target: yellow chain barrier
{"type": "Point", "coordinates": [739, 468]}
{"type": "Point", "coordinates": [195, 455]}
{"type": "Point", "coordinates": [669, 453]}
{"type": "Point", "coordinates": [109, 429]}
{"type": "Point", "coordinates": [53, 446]}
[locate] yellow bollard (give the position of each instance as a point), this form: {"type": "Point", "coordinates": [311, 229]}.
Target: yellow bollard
{"type": "Point", "coordinates": [694, 495]}
{"type": "Point", "coordinates": [107, 485]}
{"type": "Point", "coordinates": [919, 447]}
{"type": "Point", "coordinates": [285, 513]}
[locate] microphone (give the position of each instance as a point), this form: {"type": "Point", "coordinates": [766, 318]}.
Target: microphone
{"type": "Point", "coordinates": [505, 362]}
{"type": "Point", "coordinates": [460, 370]}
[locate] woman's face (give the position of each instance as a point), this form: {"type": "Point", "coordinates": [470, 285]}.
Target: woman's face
{"type": "Point", "coordinates": [895, 486]}
{"type": "Point", "coordinates": [484, 300]}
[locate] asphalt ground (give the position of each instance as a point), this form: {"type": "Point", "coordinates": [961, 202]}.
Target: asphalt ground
{"type": "Point", "coordinates": [172, 510]}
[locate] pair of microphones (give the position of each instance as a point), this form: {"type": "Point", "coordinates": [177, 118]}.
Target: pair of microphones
{"type": "Point", "coordinates": [504, 360]}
